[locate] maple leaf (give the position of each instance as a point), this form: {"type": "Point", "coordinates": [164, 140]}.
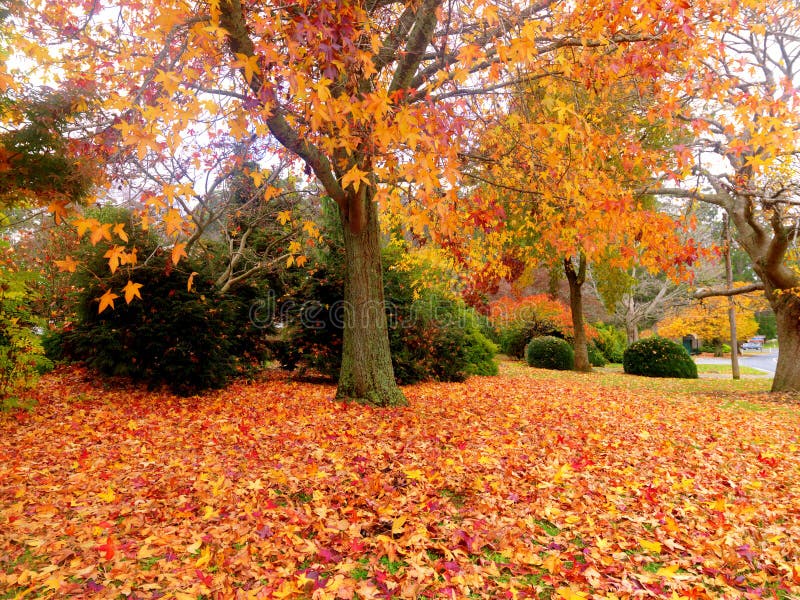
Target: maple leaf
{"type": "Point", "coordinates": [355, 177]}
{"type": "Point", "coordinates": [107, 300]}
{"type": "Point", "coordinates": [58, 208]}
{"type": "Point", "coordinates": [249, 64]}
{"type": "Point", "coordinates": [83, 225]}
{"type": "Point", "coordinates": [101, 231]}
{"type": "Point", "coordinates": [178, 252]}
{"type": "Point", "coordinates": [119, 230]}
{"type": "Point", "coordinates": [284, 217]}
{"type": "Point", "coordinates": [69, 264]}
{"type": "Point", "coordinates": [132, 291]}
{"type": "Point", "coordinates": [108, 548]}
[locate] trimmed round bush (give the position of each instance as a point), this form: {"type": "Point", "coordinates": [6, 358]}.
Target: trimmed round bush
{"type": "Point", "coordinates": [548, 352]}
{"type": "Point", "coordinates": [658, 357]}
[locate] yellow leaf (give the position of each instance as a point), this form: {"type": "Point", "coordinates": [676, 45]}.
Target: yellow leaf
{"type": "Point", "coordinates": [570, 594]}
{"type": "Point", "coordinates": [108, 495]}
{"type": "Point", "coordinates": [552, 563]}
{"type": "Point", "coordinates": [562, 473]}
{"type": "Point", "coordinates": [190, 282]}
{"type": "Point", "coordinates": [178, 252]}
{"type": "Point", "coordinates": [205, 557]}
{"type": "Point", "coordinates": [100, 232]}
{"type": "Point", "coordinates": [294, 247]}
{"type": "Point", "coordinates": [249, 64]}
{"type": "Point", "coordinates": [284, 217]}
{"type": "Point", "coordinates": [192, 548]}
{"type": "Point", "coordinates": [414, 474]}
{"type": "Point", "coordinates": [107, 300]}
{"type": "Point", "coordinates": [397, 525]}
{"type": "Point", "coordinates": [667, 571]}
{"type": "Point", "coordinates": [54, 582]}
{"type": "Point", "coordinates": [85, 225]}
{"type": "Point", "coordinates": [68, 264]}
{"type": "Point", "coordinates": [354, 177]}
{"type": "Point", "coordinates": [257, 177]}
{"type": "Point", "coordinates": [650, 546]}
{"type": "Point", "coordinates": [119, 230]}
{"type": "Point", "coordinates": [132, 291]}
{"type": "Point", "coordinates": [210, 513]}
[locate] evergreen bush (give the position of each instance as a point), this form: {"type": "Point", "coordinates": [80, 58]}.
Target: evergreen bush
{"type": "Point", "coordinates": [549, 352]}
{"type": "Point", "coordinates": [596, 357]}
{"type": "Point", "coordinates": [611, 341]}
{"type": "Point", "coordinates": [189, 339]}
{"type": "Point", "coordinates": [432, 335]}
{"type": "Point", "coordinates": [659, 357]}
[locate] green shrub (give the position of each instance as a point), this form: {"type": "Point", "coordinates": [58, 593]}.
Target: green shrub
{"type": "Point", "coordinates": [596, 357]}
{"type": "Point", "coordinates": [611, 341]}
{"type": "Point", "coordinates": [432, 335]}
{"type": "Point", "coordinates": [22, 359]}
{"type": "Point", "coordinates": [514, 336]}
{"type": "Point", "coordinates": [190, 340]}
{"type": "Point", "coordinates": [659, 357]}
{"type": "Point", "coordinates": [548, 352]}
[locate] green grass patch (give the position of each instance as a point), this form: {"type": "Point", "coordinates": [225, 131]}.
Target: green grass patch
{"type": "Point", "coordinates": [727, 370]}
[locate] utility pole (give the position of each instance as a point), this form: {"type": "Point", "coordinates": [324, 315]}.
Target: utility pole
{"type": "Point", "coordinates": [731, 304]}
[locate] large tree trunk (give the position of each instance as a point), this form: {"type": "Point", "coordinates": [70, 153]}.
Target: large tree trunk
{"type": "Point", "coordinates": [576, 280]}
{"type": "Point", "coordinates": [787, 315]}
{"type": "Point", "coordinates": [367, 375]}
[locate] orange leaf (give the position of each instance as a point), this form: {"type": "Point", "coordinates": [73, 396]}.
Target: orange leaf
{"type": "Point", "coordinates": [69, 264]}
{"type": "Point", "coordinates": [178, 252]}
{"type": "Point", "coordinates": [107, 300]}
{"type": "Point", "coordinates": [132, 291]}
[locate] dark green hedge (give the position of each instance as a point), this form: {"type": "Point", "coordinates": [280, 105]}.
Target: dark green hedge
{"type": "Point", "coordinates": [659, 357]}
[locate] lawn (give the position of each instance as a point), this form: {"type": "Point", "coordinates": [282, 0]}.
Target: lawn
{"type": "Point", "coordinates": [727, 369]}
{"type": "Point", "coordinates": [532, 484]}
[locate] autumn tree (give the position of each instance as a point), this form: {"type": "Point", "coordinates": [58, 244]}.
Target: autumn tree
{"type": "Point", "coordinates": [374, 99]}
{"type": "Point", "coordinates": [566, 163]}
{"type": "Point", "coordinates": [741, 100]}
{"type": "Point", "coordinates": [708, 320]}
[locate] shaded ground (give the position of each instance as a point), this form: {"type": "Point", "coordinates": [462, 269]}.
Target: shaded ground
{"type": "Point", "coordinates": [533, 484]}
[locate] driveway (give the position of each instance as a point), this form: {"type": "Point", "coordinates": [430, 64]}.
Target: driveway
{"type": "Point", "coordinates": [764, 361]}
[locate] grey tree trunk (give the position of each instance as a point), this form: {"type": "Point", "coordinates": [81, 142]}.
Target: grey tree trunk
{"type": "Point", "coordinates": [367, 375]}
{"type": "Point", "coordinates": [576, 280]}
{"type": "Point", "coordinates": [787, 315]}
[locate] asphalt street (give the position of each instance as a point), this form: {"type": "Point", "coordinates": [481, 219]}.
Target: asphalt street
{"type": "Point", "coordinates": [764, 361]}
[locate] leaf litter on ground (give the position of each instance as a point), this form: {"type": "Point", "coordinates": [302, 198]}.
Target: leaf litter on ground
{"type": "Point", "coordinates": [531, 484]}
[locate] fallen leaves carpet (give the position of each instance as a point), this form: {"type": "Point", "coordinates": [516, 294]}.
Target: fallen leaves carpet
{"type": "Point", "coordinates": [526, 485]}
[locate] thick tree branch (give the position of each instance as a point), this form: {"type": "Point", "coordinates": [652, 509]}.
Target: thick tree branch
{"type": "Point", "coordinates": [418, 40]}
{"type": "Point", "coordinates": [714, 292]}
{"type": "Point", "coordinates": [233, 20]}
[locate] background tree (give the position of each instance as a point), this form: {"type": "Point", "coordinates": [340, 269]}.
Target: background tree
{"type": "Point", "coordinates": [741, 101]}
{"type": "Point", "coordinates": [708, 320]}
{"type": "Point", "coordinates": [566, 163]}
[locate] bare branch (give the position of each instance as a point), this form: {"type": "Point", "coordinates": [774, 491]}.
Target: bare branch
{"type": "Point", "coordinates": [714, 292]}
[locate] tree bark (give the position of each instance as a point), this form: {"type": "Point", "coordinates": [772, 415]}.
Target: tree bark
{"type": "Point", "coordinates": [787, 315]}
{"type": "Point", "coordinates": [576, 281]}
{"type": "Point", "coordinates": [367, 375]}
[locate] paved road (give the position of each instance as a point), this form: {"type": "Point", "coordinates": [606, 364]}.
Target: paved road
{"type": "Point", "coordinates": [765, 361]}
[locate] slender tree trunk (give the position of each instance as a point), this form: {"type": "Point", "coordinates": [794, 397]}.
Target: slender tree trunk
{"type": "Point", "coordinates": [576, 281]}
{"type": "Point", "coordinates": [367, 375]}
{"type": "Point", "coordinates": [731, 303]}
{"type": "Point", "coordinates": [787, 315]}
